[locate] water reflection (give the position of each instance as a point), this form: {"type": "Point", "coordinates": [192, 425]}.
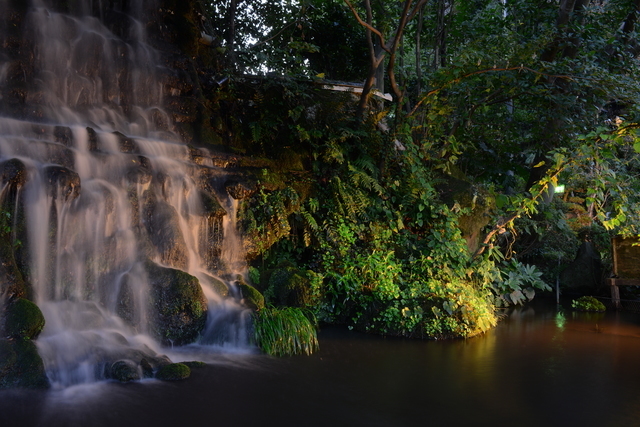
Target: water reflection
{"type": "Point", "coordinates": [539, 367]}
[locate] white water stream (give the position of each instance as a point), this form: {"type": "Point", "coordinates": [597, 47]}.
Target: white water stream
{"type": "Point", "coordinates": [109, 186]}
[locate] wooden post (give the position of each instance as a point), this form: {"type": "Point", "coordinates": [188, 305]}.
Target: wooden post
{"type": "Point", "coordinates": [615, 294]}
{"type": "Point", "coordinates": [558, 284]}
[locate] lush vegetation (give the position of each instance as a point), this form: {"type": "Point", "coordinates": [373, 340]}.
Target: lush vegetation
{"type": "Point", "coordinates": [588, 303]}
{"type": "Point", "coordinates": [420, 216]}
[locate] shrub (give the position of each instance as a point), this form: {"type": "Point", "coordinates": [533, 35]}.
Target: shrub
{"type": "Point", "coordinates": [588, 304]}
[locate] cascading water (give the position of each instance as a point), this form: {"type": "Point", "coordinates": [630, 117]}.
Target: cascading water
{"type": "Point", "coordinates": [112, 203]}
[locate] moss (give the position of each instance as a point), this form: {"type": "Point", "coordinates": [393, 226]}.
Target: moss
{"type": "Point", "coordinates": [7, 357]}
{"type": "Point", "coordinates": [178, 305]}
{"type": "Point", "coordinates": [587, 303]}
{"type": "Point", "coordinates": [173, 372]}
{"type": "Point", "coordinates": [219, 286]}
{"type": "Point", "coordinates": [124, 371]}
{"type": "Point", "coordinates": [22, 366]}
{"type": "Point", "coordinates": [23, 319]}
{"type": "Point", "coordinates": [252, 297]}
{"type": "Point", "coordinates": [12, 283]}
{"type": "Point", "coordinates": [289, 287]}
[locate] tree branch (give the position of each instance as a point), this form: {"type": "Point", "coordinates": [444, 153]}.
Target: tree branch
{"type": "Point", "coordinates": [504, 221]}
{"type": "Point", "coordinates": [274, 36]}
{"type": "Point", "coordinates": [489, 70]}
{"type": "Point", "coordinates": [366, 24]}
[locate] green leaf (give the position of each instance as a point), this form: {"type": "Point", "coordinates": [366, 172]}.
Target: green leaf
{"type": "Point", "coordinates": [502, 201]}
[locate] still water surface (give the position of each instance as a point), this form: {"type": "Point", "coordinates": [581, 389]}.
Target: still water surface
{"type": "Point", "coordinates": [539, 367]}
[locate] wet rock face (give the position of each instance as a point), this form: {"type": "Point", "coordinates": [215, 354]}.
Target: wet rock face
{"type": "Point", "coordinates": [162, 223]}
{"type": "Point", "coordinates": [125, 308]}
{"type": "Point", "coordinates": [241, 189]}
{"type": "Point", "coordinates": [64, 180]}
{"type": "Point", "coordinates": [177, 304]}
{"type": "Point", "coordinates": [13, 173]}
{"type": "Point", "coordinates": [125, 144]}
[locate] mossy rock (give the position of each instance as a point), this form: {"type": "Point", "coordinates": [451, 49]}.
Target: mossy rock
{"type": "Point", "coordinates": [251, 296]}
{"type": "Point", "coordinates": [289, 287]}
{"type": "Point", "coordinates": [7, 357]}
{"type": "Point", "coordinates": [23, 319]}
{"type": "Point", "coordinates": [218, 286]}
{"type": "Point", "coordinates": [587, 303]}
{"type": "Point", "coordinates": [21, 366]}
{"type": "Point", "coordinates": [124, 371]}
{"type": "Point", "coordinates": [178, 305]}
{"type": "Point", "coordinates": [173, 372]}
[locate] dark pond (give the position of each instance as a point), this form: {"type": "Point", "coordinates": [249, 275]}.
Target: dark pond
{"type": "Point", "coordinates": [539, 367]}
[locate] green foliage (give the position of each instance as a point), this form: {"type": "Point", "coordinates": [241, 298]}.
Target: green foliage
{"type": "Point", "coordinates": [7, 229]}
{"type": "Point", "coordinates": [517, 284]}
{"type": "Point", "coordinates": [302, 38]}
{"type": "Point", "coordinates": [510, 99]}
{"type": "Point", "coordinates": [587, 303]}
{"type": "Point", "coordinates": [289, 286]}
{"type": "Point", "coordinates": [285, 331]}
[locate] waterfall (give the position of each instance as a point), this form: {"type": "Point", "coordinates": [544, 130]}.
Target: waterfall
{"type": "Point", "coordinates": [112, 204]}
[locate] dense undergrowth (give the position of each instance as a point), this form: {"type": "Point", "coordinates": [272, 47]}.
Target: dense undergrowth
{"type": "Point", "coordinates": [422, 216]}
{"type": "Point", "coordinates": [373, 244]}
{"type": "Point", "coordinates": [371, 229]}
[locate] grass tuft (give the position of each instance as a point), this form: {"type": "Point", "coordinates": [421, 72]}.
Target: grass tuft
{"type": "Point", "coordinates": [285, 331]}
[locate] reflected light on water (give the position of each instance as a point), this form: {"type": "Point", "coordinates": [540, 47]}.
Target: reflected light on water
{"type": "Point", "coordinates": [539, 367]}
{"type": "Point", "coordinates": [561, 320]}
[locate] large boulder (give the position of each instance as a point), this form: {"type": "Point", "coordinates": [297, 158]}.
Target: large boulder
{"type": "Point", "coordinates": [124, 371]}
{"type": "Point", "coordinates": [251, 297]}
{"type": "Point", "coordinates": [178, 305]}
{"type": "Point", "coordinates": [162, 223]}
{"type": "Point", "coordinates": [21, 365]}
{"type": "Point", "coordinates": [23, 319]}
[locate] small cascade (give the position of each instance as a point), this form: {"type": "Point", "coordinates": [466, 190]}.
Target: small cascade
{"type": "Point", "coordinates": [118, 226]}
